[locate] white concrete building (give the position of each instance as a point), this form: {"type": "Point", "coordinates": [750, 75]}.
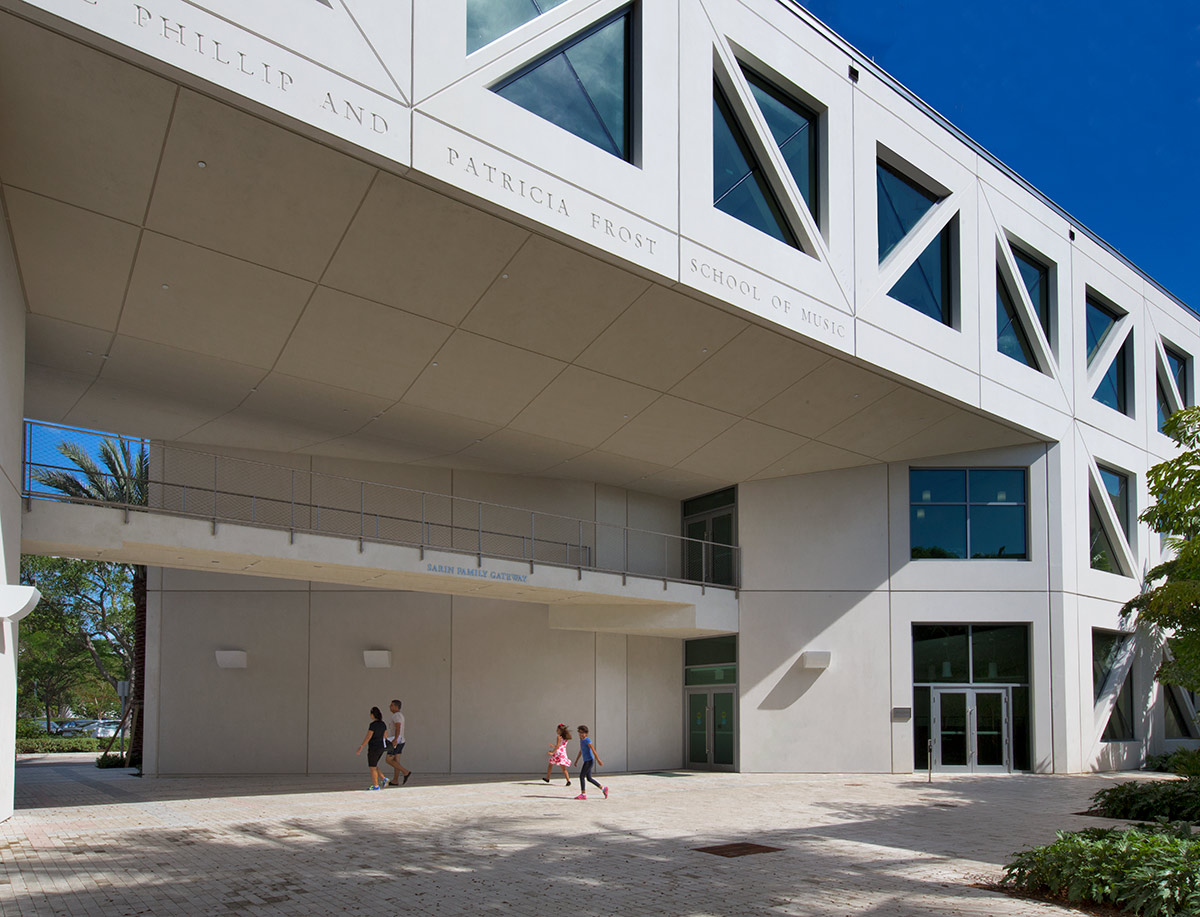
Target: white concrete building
{"type": "Point", "coordinates": [449, 324]}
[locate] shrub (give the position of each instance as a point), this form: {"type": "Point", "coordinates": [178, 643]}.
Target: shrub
{"type": "Point", "coordinates": [1183, 761]}
{"type": "Point", "coordinates": [1148, 800]}
{"type": "Point", "coordinates": [111, 759]}
{"type": "Point", "coordinates": [31, 729]}
{"type": "Point", "coordinates": [49, 745]}
{"type": "Point", "coordinates": [1148, 870]}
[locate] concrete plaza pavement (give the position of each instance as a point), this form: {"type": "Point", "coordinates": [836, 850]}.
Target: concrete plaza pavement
{"type": "Point", "coordinates": [86, 841]}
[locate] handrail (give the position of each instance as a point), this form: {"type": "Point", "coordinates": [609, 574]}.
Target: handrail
{"type": "Point", "coordinates": [302, 501]}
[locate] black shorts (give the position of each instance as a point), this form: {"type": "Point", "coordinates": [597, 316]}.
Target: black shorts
{"type": "Point", "coordinates": [373, 755]}
{"type": "Point", "coordinates": [394, 751]}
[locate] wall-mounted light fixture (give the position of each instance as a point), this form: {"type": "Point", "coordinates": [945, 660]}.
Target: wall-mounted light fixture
{"type": "Point", "coordinates": [377, 659]}
{"type": "Point", "coordinates": [231, 659]}
{"type": "Point", "coordinates": [814, 659]}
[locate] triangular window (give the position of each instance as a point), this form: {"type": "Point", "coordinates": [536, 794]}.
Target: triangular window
{"type": "Point", "coordinates": [1113, 389]}
{"type": "Point", "coordinates": [1107, 647]}
{"type": "Point", "coordinates": [793, 125]}
{"type": "Point", "coordinates": [1102, 555]}
{"type": "Point", "coordinates": [1036, 277]}
{"type": "Point", "coordinates": [1179, 724]}
{"type": "Point", "coordinates": [1100, 321]}
{"type": "Point", "coordinates": [1012, 340]}
{"type": "Point", "coordinates": [487, 20]}
{"type": "Point", "coordinates": [1177, 363]}
{"type": "Point", "coordinates": [927, 285]}
{"type": "Point", "coordinates": [1164, 405]}
{"type": "Point", "coordinates": [740, 188]}
{"type": "Point", "coordinates": [900, 204]}
{"type": "Point", "coordinates": [583, 86]}
{"type": "Point", "coordinates": [1120, 727]}
{"type": "Point", "coordinates": [1116, 485]}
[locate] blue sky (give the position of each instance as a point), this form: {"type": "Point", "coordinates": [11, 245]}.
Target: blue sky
{"type": "Point", "coordinates": [1097, 104]}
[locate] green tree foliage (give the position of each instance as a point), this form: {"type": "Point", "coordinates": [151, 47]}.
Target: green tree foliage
{"type": "Point", "coordinates": [88, 606]}
{"type": "Point", "coordinates": [1170, 597]}
{"type": "Point", "coordinates": [124, 480]}
{"type": "Point", "coordinates": [49, 669]}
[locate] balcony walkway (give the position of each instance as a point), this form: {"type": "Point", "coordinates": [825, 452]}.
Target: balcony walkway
{"type": "Point", "coordinates": [232, 515]}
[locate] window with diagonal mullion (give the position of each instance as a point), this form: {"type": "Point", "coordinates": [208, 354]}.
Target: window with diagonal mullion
{"type": "Point", "coordinates": [1012, 340]}
{"type": "Point", "coordinates": [740, 188]}
{"type": "Point", "coordinates": [900, 204]}
{"type": "Point", "coordinates": [487, 20]}
{"type": "Point", "coordinates": [583, 86]}
{"type": "Point", "coordinates": [793, 126]}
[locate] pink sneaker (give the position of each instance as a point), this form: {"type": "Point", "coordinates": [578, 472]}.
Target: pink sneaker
{"type": "Point", "coordinates": [604, 790]}
{"type": "Point", "coordinates": [581, 796]}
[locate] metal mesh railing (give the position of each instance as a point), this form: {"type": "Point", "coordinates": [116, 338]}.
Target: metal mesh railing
{"type": "Point", "coordinates": [233, 488]}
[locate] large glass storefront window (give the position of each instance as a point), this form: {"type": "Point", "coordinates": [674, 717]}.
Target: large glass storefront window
{"type": "Point", "coordinates": [965, 655]}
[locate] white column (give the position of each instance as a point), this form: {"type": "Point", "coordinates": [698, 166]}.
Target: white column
{"type": "Point", "coordinates": [15, 602]}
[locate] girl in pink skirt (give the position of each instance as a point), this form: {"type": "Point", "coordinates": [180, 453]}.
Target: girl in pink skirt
{"type": "Point", "coordinates": [558, 754]}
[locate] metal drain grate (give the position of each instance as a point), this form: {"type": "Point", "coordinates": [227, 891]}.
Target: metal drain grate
{"type": "Point", "coordinates": [737, 850]}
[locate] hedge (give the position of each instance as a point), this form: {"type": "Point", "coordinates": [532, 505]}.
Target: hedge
{"type": "Point", "coordinates": [49, 745]}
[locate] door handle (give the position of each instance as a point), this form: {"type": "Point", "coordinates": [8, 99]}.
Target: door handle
{"type": "Point", "coordinates": [708, 711]}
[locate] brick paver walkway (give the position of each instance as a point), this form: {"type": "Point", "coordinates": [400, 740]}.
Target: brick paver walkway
{"type": "Point", "coordinates": [92, 842]}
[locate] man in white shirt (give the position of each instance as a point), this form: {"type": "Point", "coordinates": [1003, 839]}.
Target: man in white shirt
{"type": "Point", "coordinates": [395, 745]}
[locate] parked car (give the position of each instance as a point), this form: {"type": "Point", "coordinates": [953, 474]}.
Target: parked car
{"type": "Point", "coordinates": [105, 729]}
{"type": "Point", "coordinates": [73, 729]}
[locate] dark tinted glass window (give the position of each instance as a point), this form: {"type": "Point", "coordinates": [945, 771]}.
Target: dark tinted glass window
{"type": "Point", "coordinates": [1106, 648]}
{"type": "Point", "coordinates": [927, 285]}
{"type": "Point", "coordinates": [739, 187]}
{"type": "Point", "coordinates": [1100, 320]}
{"type": "Point", "coordinates": [1120, 726]}
{"type": "Point", "coordinates": [921, 724]}
{"type": "Point", "coordinates": [997, 485]}
{"type": "Point", "coordinates": [1164, 406]}
{"type": "Point", "coordinates": [1178, 364]}
{"type": "Point", "coordinates": [709, 502]}
{"type": "Point", "coordinates": [1102, 555]}
{"type": "Point", "coordinates": [938, 531]}
{"type": "Point", "coordinates": [991, 524]}
{"type": "Point", "coordinates": [794, 127]}
{"type": "Point", "coordinates": [1021, 730]}
{"type": "Point", "coordinates": [900, 205]}
{"type": "Point", "coordinates": [1011, 338]}
{"type": "Point", "coordinates": [1036, 277]}
{"type": "Point", "coordinates": [1113, 388]}
{"type": "Point", "coordinates": [1116, 485]}
{"type": "Point", "coordinates": [937, 485]}
{"type": "Point", "coordinates": [1179, 724]}
{"type": "Point", "coordinates": [941, 653]}
{"type": "Point", "coordinates": [711, 651]}
{"type": "Point", "coordinates": [583, 87]}
{"type": "Point", "coordinates": [487, 20]}
{"type": "Point", "coordinates": [1000, 653]}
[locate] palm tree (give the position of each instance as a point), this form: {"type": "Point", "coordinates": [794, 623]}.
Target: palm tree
{"type": "Point", "coordinates": [123, 480]}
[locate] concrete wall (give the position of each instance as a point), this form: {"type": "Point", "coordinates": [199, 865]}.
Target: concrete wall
{"type": "Point", "coordinates": [12, 389]}
{"type": "Point", "coordinates": [483, 681]}
{"type": "Point", "coordinates": [827, 568]}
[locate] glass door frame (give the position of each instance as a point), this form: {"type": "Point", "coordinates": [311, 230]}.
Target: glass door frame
{"type": "Point", "coordinates": [709, 547]}
{"type": "Point", "coordinates": [971, 694]}
{"type": "Point", "coordinates": [708, 691]}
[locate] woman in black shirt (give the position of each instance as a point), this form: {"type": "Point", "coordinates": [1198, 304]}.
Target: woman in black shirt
{"type": "Point", "coordinates": [373, 743]}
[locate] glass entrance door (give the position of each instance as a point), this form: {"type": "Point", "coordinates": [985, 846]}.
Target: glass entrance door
{"type": "Point", "coordinates": [971, 730]}
{"type": "Point", "coordinates": [710, 729]}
